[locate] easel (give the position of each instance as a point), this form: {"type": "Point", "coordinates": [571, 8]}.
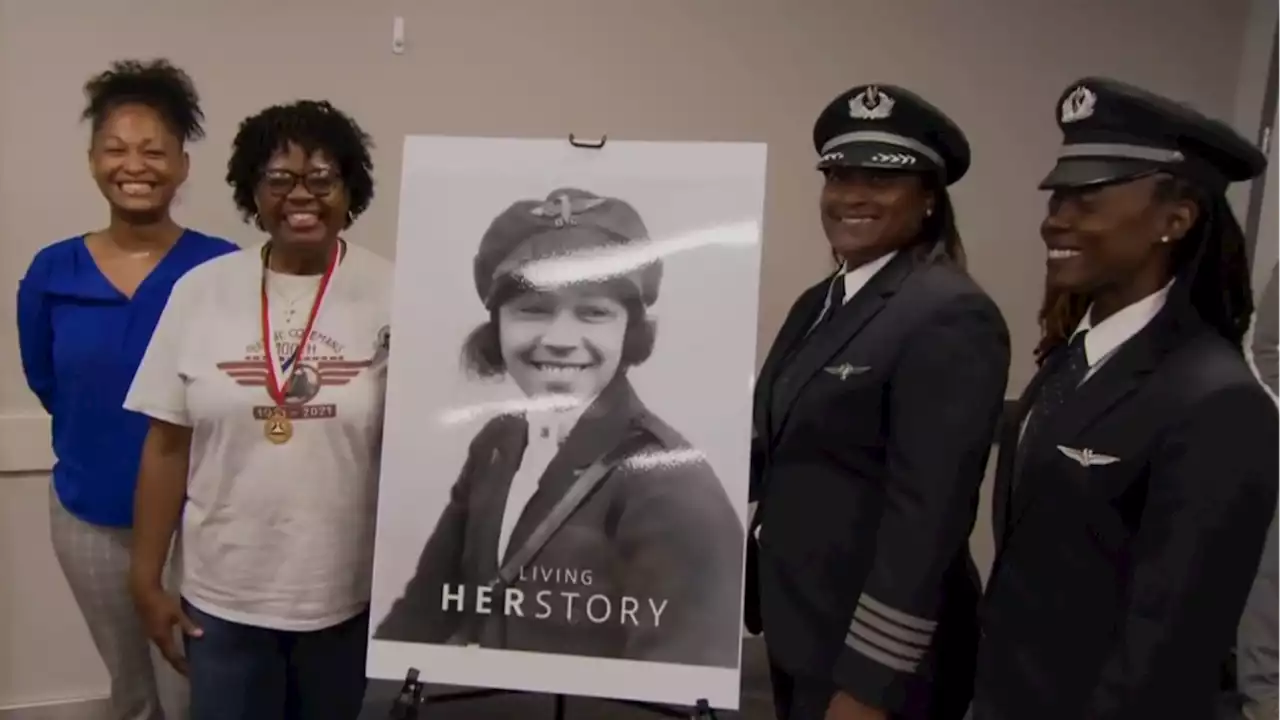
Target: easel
{"type": "Point", "coordinates": [412, 697]}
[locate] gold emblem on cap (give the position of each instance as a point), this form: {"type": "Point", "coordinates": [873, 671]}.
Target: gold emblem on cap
{"type": "Point", "coordinates": [1078, 105]}
{"type": "Point", "coordinates": [871, 104]}
{"type": "Point", "coordinates": [563, 208]}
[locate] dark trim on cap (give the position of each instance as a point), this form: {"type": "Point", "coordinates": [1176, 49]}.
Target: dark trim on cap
{"type": "Point", "coordinates": [886, 138]}
{"type": "Point", "coordinates": [1121, 150]}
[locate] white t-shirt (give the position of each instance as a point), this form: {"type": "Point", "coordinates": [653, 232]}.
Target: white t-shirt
{"type": "Point", "coordinates": [276, 536]}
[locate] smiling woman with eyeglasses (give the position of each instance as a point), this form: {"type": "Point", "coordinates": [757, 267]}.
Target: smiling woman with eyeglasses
{"type": "Point", "coordinates": [265, 384]}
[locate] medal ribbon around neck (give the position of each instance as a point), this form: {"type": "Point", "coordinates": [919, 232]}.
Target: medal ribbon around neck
{"type": "Point", "coordinates": [277, 381]}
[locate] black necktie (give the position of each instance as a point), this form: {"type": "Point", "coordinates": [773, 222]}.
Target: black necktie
{"type": "Point", "coordinates": [1057, 388]}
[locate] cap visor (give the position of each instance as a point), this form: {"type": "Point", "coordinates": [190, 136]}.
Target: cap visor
{"type": "Point", "coordinates": [880, 156]}
{"type": "Point", "coordinates": [1082, 172]}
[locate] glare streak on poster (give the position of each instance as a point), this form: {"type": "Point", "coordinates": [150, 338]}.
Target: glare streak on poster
{"type": "Point", "coordinates": [563, 496]}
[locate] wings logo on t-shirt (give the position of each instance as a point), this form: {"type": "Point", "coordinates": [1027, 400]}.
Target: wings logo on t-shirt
{"type": "Point", "coordinates": [323, 365]}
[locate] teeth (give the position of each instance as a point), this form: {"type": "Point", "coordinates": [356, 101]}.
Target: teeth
{"type": "Point", "coordinates": [558, 370]}
{"type": "Point", "coordinates": [855, 221]}
{"type": "Point", "coordinates": [1062, 254]}
{"type": "Point", "coordinates": [134, 188]}
{"type": "Point", "coordinates": [302, 220]}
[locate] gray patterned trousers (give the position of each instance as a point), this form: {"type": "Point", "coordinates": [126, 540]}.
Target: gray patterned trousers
{"type": "Point", "coordinates": [95, 561]}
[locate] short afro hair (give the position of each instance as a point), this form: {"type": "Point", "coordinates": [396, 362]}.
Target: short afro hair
{"type": "Point", "coordinates": [314, 126]}
{"type": "Point", "coordinates": [155, 84]}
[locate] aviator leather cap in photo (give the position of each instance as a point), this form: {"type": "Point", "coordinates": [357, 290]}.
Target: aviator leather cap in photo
{"type": "Point", "coordinates": [570, 224]}
{"type": "Point", "coordinates": [889, 127]}
{"type": "Point", "coordinates": [1113, 131]}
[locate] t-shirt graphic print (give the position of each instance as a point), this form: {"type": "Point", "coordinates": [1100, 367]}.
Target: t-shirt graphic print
{"type": "Point", "coordinates": [275, 534]}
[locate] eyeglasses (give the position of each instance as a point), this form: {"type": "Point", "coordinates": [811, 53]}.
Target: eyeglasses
{"type": "Point", "coordinates": [282, 182]}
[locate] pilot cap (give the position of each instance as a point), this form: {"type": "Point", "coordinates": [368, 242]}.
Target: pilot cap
{"type": "Point", "coordinates": [889, 127]}
{"type": "Point", "coordinates": [569, 224]}
{"type": "Point", "coordinates": [1113, 131]}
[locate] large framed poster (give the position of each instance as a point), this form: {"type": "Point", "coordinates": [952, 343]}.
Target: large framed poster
{"type": "Point", "coordinates": [563, 495]}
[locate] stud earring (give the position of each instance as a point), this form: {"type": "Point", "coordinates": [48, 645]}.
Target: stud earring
{"type": "Point", "coordinates": [928, 212]}
{"type": "Point", "coordinates": [1164, 239]}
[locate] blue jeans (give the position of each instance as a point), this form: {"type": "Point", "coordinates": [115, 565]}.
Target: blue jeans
{"type": "Point", "coordinates": [241, 672]}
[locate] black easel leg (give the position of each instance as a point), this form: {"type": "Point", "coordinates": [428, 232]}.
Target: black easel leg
{"type": "Point", "coordinates": [412, 697]}
{"type": "Point", "coordinates": [665, 711]}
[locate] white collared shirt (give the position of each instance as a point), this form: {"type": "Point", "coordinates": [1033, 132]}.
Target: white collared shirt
{"type": "Point", "coordinates": [855, 279]}
{"type": "Point", "coordinates": [1107, 336]}
{"type": "Point", "coordinates": [547, 430]}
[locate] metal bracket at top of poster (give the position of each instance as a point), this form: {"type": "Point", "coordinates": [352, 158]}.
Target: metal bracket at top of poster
{"type": "Point", "coordinates": [412, 698]}
{"type": "Point", "coordinates": [588, 144]}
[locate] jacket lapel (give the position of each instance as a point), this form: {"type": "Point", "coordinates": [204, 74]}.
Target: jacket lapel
{"type": "Point", "coordinates": [1120, 376]}
{"type": "Point", "coordinates": [601, 428]}
{"type": "Point", "coordinates": [789, 336]}
{"type": "Point", "coordinates": [824, 342]}
{"type": "Point", "coordinates": [1008, 456]}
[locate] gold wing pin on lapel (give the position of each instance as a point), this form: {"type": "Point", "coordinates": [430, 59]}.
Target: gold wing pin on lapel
{"type": "Point", "coordinates": [1087, 457]}
{"type": "Point", "coordinates": [845, 371]}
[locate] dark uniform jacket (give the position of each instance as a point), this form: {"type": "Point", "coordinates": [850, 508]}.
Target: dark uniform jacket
{"type": "Point", "coordinates": [872, 436]}
{"type": "Point", "coordinates": [1128, 535]}
{"type": "Point", "coordinates": [650, 532]}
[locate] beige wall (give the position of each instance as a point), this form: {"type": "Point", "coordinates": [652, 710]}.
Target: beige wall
{"type": "Point", "coordinates": [659, 69]}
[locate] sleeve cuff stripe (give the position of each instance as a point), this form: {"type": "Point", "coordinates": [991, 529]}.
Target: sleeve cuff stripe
{"type": "Point", "coordinates": [897, 616]}
{"type": "Point", "coordinates": [874, 653]}
{"type": "Point", "coordinates": [867, 619]}
{"type": "Point", "coordinates": [887, 644]}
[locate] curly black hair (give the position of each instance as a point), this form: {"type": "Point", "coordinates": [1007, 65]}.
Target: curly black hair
{"type": "Point", "coordinates": [1211, 262]}
{"type": "Point", "coordinates": [156, 84]}
{"type": "Point", "coordinates": [314, 126]}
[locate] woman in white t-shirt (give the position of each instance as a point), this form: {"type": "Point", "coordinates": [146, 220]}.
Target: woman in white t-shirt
{"type": "Point", "coordinates": [265, 383]}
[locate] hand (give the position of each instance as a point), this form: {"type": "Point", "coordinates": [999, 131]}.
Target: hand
{"type": "Point", "coordinates": [160, 612]}
{"type": "Point", "coordinates": [844, 706]}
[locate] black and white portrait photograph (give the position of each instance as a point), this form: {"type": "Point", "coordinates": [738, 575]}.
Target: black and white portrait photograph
{"type": "Point", "coordinates": [563, 499]}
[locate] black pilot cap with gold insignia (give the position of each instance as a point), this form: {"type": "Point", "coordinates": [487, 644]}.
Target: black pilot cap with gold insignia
{"type": "Point", "coordinates": [1113, 131]}
{"type": "Point", "coordinates": [571, 237]}
{"type": "Point", "coordinates": [889, 127]}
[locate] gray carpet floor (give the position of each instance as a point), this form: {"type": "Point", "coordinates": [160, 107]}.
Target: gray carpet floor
{"type": "Point", "coordinates": [756, 701]}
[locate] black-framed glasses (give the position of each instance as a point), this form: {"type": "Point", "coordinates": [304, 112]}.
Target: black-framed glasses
{"type": "Point", "coordinates": [317, 182]}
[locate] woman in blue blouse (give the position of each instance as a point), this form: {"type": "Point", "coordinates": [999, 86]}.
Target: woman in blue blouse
{"type": "Point", "coordinates": [86, 310]}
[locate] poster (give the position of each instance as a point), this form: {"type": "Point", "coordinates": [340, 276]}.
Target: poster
{"type": "Point", "coordinates": [563, 495]}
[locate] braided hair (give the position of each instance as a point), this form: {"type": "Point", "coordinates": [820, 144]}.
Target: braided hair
{"type": "Point", "coordinates": [941, 226]}
{"type": "Point", "coordinates": [1210, 263]}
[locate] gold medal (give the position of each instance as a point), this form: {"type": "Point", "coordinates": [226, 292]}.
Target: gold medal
{"type": "Point", "coordinates": [278, 428]}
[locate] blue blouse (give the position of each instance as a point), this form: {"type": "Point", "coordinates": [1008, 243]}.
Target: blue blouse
{"type": "Point", "coordinates": [82, 341]}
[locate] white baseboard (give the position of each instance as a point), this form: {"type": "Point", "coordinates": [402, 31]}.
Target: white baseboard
{"type": "Point", "coordinates": [87, 709]}
{"type": "Point", "coordinates": [25, 446]}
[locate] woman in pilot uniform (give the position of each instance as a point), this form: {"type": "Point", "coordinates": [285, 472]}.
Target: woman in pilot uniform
{"type": "Point", "coordinates": [874, 416]}
{"type": "Point", "coordinates": [1134, 490]}
{"type": "Point", "coordinates": [606, 533]}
